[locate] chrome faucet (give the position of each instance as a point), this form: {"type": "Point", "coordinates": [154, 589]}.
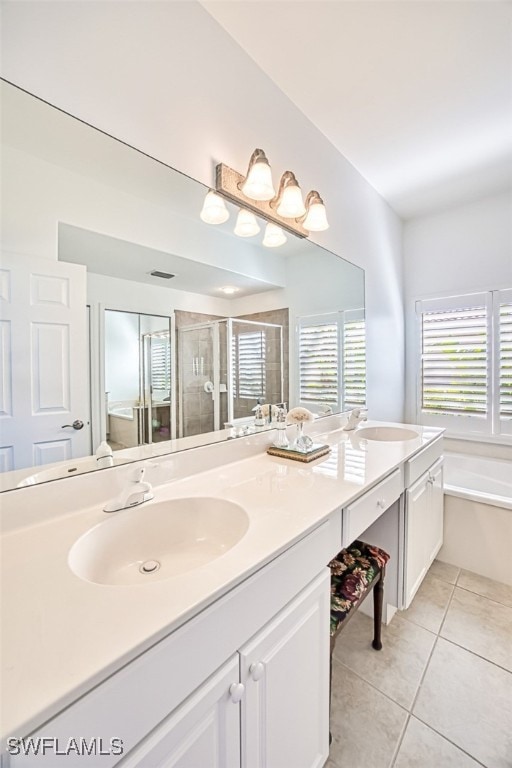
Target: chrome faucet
{"type": "Point", "coordinates": [355, 418]}
{"type": "Point", "coordinates": [137, 492]}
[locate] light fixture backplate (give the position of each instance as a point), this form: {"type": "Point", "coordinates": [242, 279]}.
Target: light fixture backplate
{"type": "Point", "coordinates": [228, 183]}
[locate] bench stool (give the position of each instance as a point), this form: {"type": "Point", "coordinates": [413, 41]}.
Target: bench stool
{"type": "Point", "coordinates": [355, 572]}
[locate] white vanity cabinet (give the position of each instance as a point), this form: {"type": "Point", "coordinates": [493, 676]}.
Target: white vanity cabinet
{"type": "Point", "coordinates": [203, 731]}
{"type": "Point", "coordinates": [423, 517]}
{"type": "Point", "coordinates": [244, 683]}
{"type": "Point", "coordinates": [285, 672]}
{"type": "Point", "coordinates": [267, 706]}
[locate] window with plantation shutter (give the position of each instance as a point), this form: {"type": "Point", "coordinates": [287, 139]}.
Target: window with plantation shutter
{"type": "Point", "coordinates": [249, 365]}
{"type": "Point", "coordinates": [465, 376]}
{"type": "Point", "coordinates": [354, 363]}
{"type": "Point", "coordinates": [505, 362]}
{"type": "Point", "coordinates": [318, 363]}
{"type": "Point", "coordinates": [332, 360]}
{"type": "Point", "coordinates": [160, 363]}
{"type": "Point", "coordinates": [454, 361]}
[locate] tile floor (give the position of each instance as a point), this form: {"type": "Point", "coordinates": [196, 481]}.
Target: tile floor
{"type": "Point", "coordinates": [439, 694]}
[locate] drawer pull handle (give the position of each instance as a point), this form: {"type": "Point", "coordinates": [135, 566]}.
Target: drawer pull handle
{"type": "Point", "coordinates": [236, 691]}
{"type": "Point", "coordinates": [382, 503]}
{"type": "Point", "coordinates": [256, 671]}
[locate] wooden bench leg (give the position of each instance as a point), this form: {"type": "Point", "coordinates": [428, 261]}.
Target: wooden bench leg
{"type": "Point", "coordinates": [378, 599]}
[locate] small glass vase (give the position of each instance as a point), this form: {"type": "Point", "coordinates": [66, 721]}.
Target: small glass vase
{"type": "Point", "coordinates": [281, 440]}
{"type": "Point", "coordinates": [302, 443]}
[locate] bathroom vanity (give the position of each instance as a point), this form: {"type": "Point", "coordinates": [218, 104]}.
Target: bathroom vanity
{"type": "Point", "coordinates": [222, 663]}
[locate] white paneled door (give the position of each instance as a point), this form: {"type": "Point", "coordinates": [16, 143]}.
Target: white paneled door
{"type": "Point", "coordinates": [44, 371]}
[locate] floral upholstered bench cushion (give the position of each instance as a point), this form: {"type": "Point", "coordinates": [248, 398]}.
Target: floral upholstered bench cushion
{"type": "Point", "coordinates": [352, 571]}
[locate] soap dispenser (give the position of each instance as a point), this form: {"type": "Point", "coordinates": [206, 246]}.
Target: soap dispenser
{"type": "Point", "coordinates": [104, 456]}
{"type": "Point", "coordinates": [281, 440]}
{"type": "Point", "coordinates": [259, 419]}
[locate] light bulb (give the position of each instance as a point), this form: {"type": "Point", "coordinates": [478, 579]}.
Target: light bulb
{"type": "Point", "coordinates": [246, 224]}
{"type": "Point", "coordinates": [258, 184]}
{"type": "Point", "coordinates": [291, 205]}
{"type": "Point", "coordinates": [214, 209]}
{"type": "Point", "coordinates": [316, 219]}
{"type": "Point", "coordinates": [274, 236]}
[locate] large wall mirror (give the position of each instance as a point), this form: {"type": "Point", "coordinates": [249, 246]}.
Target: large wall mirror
{"type": "Point", "coordinates": [127, 319]}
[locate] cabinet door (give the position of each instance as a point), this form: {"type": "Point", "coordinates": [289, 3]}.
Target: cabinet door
{"type": "Point", "coordinates": [285, 669]}
{"type": "Point", "coordinates": [416, 533]}
{"type": "Point", "coordinates": [203, 732]}
{"type": "Point", "coordinates": [434, 537]}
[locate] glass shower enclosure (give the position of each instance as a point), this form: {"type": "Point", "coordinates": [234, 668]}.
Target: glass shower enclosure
{"type": "Point", "coordinates": [225, 367]}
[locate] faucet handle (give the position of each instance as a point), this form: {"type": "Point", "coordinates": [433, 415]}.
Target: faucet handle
{"type": "Point", "coordinates": [137, 476]}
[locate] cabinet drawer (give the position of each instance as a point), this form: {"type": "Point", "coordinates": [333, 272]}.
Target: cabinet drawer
{"type": "Point", "coordinates": [423, 460]}
{"type": "Point", "coordinates": [359, 515]}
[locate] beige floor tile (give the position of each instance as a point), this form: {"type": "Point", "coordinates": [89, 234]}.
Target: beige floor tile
{"type": "Point", "coordinates": [396, 670]}
{"type": "Point", "coordinates": [365, 725]}
{"type": "Point", "coordinates": [422, 747]}
{"type": "Point", "coordinates": [481, 626]}
{"type": "Point", "coordinates": [430, 603]}
{"type": "Point", "coordinates": [494, 590]}
{"type": "Point", "coordinates": [444, 571]}
{"type": "Point", "coordinates": [469, 701]}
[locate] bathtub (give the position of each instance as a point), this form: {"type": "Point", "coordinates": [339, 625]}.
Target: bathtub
{"type": "Point", "coordinates": [478, 515]}
{"type": "Point", "coordinates": [122, 412]}
{"type": "Point", "coordinates": [122, 425]}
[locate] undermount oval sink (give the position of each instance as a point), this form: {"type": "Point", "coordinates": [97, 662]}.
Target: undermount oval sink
{"type": "Point", "coordinates": [155, 542]}
{"type": "Point", "coordinates": [386, 434]}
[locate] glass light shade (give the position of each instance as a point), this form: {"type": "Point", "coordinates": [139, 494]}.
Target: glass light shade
{"type": "Point", "coordinates": [291, 205]}
{"type": "Point", "coordinates": [316, 219]}
{"type": "Point", "coordinates": [258, 184]}
{"type": "Point", "coordinates": [214, 209]}
{"type": "Point", "coordinates": [274, 236]}
{"type": "Point", "coordinates": [246, 224]}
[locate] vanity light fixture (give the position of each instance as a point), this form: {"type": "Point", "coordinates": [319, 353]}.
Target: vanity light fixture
{"type": "Point", "coordinates": [274, 236]}
{"type": "Point", "coordinates": [258, 183]}
{"type": "Point", "coordinates": [246, 224]}
{"type": "Point", "coordinates": [255, 193]}
{"type": "Point", "coordinates": [214, 209]}
{"type": "Point", "coordinates": [316, 217]}
{"type": "Point", "coordinates": [289, 202]}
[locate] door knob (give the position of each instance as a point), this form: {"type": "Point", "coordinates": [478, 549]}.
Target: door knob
{"type": "Point", "coordinates": [77, 424]}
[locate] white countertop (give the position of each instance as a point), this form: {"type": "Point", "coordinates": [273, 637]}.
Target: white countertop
{"type": "Point", "coordinates": [61, 635]}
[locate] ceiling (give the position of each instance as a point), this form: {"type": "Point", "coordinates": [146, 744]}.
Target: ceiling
{"type": "Point", "coordinates": [417, 95]}
{"type": "Point", "coordinates": [105, 255]}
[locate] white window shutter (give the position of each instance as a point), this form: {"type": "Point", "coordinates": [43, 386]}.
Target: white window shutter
{"type": "Point", "coordinates": [249, 357]}
{"type": "Point", "coordinates": [319, 363]}
{"type": "Point", "coordinates": [454, 361]}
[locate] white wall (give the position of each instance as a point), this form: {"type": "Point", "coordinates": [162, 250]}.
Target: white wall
{"type": "Point", "coordinates": [166, 78]}
{"type": "Point", "coordinates": [464, 249]}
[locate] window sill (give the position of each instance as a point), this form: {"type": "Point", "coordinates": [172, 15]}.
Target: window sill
{"type": "Point", "coordinates": [475, 438]}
